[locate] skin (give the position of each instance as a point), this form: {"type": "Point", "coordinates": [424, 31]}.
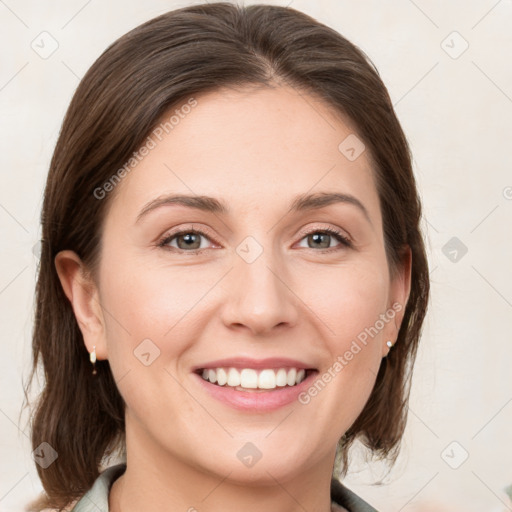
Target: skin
{"type": "Point", "coordinates": [256, 149]}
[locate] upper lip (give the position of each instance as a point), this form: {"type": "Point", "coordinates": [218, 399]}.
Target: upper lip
{"type": "Point", "coordinates": [245, 362]}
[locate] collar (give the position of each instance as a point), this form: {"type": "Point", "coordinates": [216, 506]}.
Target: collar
{"type": "Point", "coordinates": [96, 498]}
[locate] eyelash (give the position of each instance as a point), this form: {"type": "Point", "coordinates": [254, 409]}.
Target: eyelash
{"type": "Point", "coordinates": [344, 241]}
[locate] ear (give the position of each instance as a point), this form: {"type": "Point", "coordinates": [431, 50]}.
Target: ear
{"type": "Point", "coordinates": [83, 294]}
{"type": "Point", "coordinates": [399, 295]}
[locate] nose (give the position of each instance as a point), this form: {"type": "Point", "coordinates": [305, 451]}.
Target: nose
{"type": "Point", "coordinates": [258, 298]}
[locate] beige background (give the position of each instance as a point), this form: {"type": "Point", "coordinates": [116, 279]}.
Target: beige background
{"type": "Point", "coordinates": [456, 109]}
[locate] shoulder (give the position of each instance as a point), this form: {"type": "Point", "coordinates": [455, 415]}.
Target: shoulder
{"type": "Point", "coordinates": [347, 499]}
{"type": "Point", "coordinates": [94, 500]}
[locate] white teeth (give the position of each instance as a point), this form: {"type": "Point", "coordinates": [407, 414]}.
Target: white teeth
{"type": "Point", "coordinates": [249, 378]}
{"type": "Point", "coordinates": [222, 377]}
{"type": "Point", "coordinates": [281, 378]}
{"type": "Point", "coordinates": [291, 377]}
{"type": "Point", "coordinates": [233, 378]}
{"type": "Point", "coordinates": [267, 379]}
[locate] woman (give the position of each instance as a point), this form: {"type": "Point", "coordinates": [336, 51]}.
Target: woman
{"type": "Point", "coordinates": [233, 279]}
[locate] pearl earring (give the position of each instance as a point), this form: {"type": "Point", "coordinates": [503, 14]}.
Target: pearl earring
{"type": "Point", "coordinates": [92, 357]}
{"type": "Point", "coordinates": [389, 344]}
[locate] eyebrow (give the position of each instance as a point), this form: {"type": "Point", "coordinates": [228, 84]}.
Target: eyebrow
{"type": "Point", "coordinates": [301, 203]}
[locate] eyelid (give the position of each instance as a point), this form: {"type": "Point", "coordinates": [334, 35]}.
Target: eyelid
{"type": "Point", "coordinates": [346, 239]}
{"type": "Point", "coordinates": [201, 230]}
{"type": "Point", "coordinates": [325, 228]}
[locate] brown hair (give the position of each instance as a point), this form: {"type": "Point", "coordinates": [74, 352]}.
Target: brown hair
{"type": "Point", "coordinates": [119, 101]}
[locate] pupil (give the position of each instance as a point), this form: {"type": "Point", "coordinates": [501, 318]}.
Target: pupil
{"type": "Point", "coordinates": [189, 239]}
{"type": "Point", "coordinates": [318, 236]}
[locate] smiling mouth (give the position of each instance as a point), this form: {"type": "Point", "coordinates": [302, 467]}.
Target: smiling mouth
{"type": "Point", "coordinates": [257, 380]}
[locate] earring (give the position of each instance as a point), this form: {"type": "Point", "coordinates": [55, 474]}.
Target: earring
{"type": "Point", "coordinates": [389, 344]}
{"type": "Point", "coordinates": [92, 357]}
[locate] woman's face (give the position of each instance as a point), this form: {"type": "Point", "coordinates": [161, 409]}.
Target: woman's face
{"type": "Point", "coordinates": [256, 285]}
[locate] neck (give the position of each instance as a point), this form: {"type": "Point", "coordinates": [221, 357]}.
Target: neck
{"type": "Point", "coordinates": [160, 482]}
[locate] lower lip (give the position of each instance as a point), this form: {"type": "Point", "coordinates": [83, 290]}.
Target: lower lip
{"type": "Point", "coordinates": [259, 401]}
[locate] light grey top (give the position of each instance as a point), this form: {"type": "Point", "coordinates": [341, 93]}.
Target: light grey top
{"type": "Point", "coordinates": [96, 498]}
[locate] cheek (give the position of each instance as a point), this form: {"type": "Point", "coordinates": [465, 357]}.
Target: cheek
{"type": "Point", "coordinates": [159, 303]}
{"type": "Point", "coordinates": [350, 307]}
{"type": "Point", "coordinates": [148, 314]}
{"type": "Point", "coordinates": [348, 299]}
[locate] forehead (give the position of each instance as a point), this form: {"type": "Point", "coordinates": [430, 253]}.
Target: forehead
{"type": "Point", "coordinates": [252, 147]}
